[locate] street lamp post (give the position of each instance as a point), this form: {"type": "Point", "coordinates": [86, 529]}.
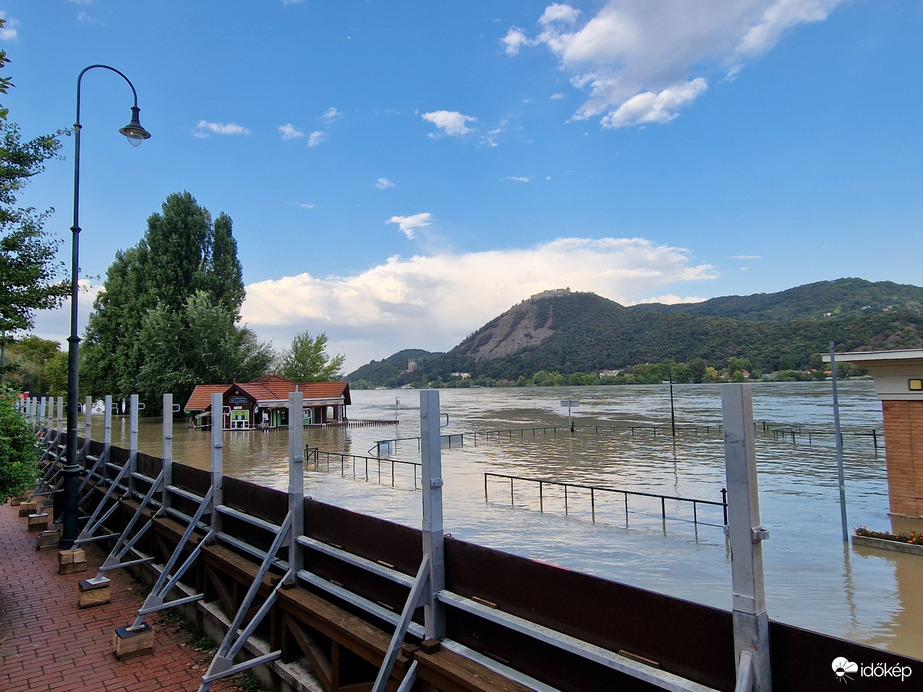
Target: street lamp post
{"type": "Point", "coordinates": [71, 471]}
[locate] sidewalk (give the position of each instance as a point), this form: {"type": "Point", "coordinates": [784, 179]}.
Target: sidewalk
{"type": "Point", "coordinates": [48, 644]}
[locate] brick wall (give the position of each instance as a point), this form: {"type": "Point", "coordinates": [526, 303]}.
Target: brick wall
{"type": "Point", "coordinates": [903, 422]}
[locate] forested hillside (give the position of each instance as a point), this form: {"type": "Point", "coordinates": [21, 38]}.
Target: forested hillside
{"type": "Point", "coordinates": [584, 334]}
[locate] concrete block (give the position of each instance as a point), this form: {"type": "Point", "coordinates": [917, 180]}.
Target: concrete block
{"type": "Point", "coordinates": [27, 508]}
{"type": "Point", "coordinates": [71, 561]}
{"type": "Point", "coordinates": [128, 642]}
{"type": "Point", "coordinates": [93, 594]}
{"type": "Point", "coordinates": [38, 522]}
{"type": "Point", "coordinates": [47, 539]}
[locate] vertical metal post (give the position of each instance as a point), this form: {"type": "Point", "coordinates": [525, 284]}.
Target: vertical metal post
{"type": "Point", "coordinates": [216, 461]}
{"type": "Point", "coordinates": [87, 423]}
{"type": "Point", "coordinates": [107, 424]}
{"type": "Point", "coordinates": [841, 479]}
{"type": "Point", "coordinates": [433, 542]}
{"type": "Point", "coordinates": [167, 449]}
{"type": "Point", "coordinates": [295, 480]}
{"type": "Point", "coordinates": [751, 623]}
{"type": "Point", "coordinates": [133, 444]}
{"type": "Point", "coordinates": [61, 416]}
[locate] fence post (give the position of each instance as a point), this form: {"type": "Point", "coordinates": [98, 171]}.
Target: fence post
{"type": "Point", "coordinates": [295, 479]}
{"type": "Point", "coordinates": [433, 539]}
{"type": "Point", "coordinates": [217, 459]}
{"type": "Point", "coordinates": [167, 449]}
{"type": "Point", "coordinates": [751, 623]}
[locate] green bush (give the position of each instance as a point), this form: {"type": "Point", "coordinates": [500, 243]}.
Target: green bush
{"type": "Point", "coordinates": [18, 451]}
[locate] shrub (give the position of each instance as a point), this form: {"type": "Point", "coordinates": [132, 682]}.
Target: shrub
{"type": "Point", "coordinates": [18, 449]}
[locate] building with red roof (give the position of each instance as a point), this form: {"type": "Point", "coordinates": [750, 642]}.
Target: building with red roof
{"type": "Point", "coordinates": [263, 403]}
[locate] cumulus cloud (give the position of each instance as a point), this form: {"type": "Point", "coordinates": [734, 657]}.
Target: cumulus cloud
{"type": "Point", "coordinates": [331, 115]}
{"type": "Point", "coordinates": [451, 123]}
{"type": "Point", "coordinates": [410, 224]}
{"type": "Point", "coordinates": [383, 184]}
{"type": "Point", "coordinates": [316, 138]}
{"type": "Point", "coordinates": [9, 32]}
{"type": "Point", "coordinates": [206, 129]}
{"type": "Point", "coordinates": [433, 302]}
{"type": "Point", "coordinates": [643, 62]}
{"type": "Point", "coordinates": [290, 132]}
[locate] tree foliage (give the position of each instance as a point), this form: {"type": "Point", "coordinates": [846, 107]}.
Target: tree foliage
{"type": "Point", "coordinates": [29, 275]}
{"type": "Point", "coordinates": [18, 453]}
{"type": "Point", "coordinates": [37, 366]}
{"type": "Point", "coordinates": [167, 317]}
{"type": "Point", "coordinates": [307, 360]}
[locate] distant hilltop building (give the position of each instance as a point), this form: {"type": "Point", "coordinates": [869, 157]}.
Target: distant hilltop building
{"type": "Point", "coordinates": [553, 293]}
{"type": "Point", "coordinates": [411, 365]}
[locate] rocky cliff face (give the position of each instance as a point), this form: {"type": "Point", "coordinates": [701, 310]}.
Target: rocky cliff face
{"type": "Point", "coordinates": [524, 326]}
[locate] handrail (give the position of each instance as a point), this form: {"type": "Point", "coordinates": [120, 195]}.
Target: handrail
{"type": "Point", "coordinates": [594, 488]}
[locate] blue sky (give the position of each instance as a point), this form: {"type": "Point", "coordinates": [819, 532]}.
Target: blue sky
{"type": "Point", "coordinates": [399, 173]}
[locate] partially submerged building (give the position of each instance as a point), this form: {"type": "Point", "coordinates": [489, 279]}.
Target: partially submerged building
{"type": "Point", "coordinates": [263, 403]}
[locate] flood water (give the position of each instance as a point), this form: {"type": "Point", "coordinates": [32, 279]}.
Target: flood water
{"type": "Point", "coordinates": [813, 580]}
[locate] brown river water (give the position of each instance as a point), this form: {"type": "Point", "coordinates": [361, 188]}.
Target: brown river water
{"type": "Point", "coordinates": [813, 580]}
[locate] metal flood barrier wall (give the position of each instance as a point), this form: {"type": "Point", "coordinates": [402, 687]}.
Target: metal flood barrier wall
{"type": "Point", "coordinates": [342, 594]}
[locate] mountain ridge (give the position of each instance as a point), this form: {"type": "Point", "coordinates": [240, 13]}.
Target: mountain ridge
{"type": "Point", "coordinates": [573, 332]}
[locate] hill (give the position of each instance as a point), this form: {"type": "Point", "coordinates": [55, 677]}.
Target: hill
{"type": "Point", "coordinates": [567, 333]}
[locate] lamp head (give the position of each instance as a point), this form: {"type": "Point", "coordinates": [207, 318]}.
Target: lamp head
{"type": "Point", "coordinates": [133, 130]}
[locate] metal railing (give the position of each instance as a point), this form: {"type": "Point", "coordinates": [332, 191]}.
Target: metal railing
{"type": "Point", "coordinates": [380, 469]}
{"type": "Point", "coordinates": [596, 489]}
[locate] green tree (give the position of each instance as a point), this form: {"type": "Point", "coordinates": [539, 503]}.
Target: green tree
{"type": "Point", "coordinates": [18, 454]}
{"type": "Point", "coordinates": [167, 317]}
{"type": "Point", "coordinates": [307, 360]}
{"type": "Point", "coordinates": [29, 365]}
{"type": "Point", "coordinates": [29, 275]}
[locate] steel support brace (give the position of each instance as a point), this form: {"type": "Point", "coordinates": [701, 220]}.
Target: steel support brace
{"type": "Point", "coordinates": [419, 594]}
{"type": "Point", "coordinates": [222, 664]}
{"type": "Point", "coordinates": [751, 622]}
{"type": "Point", "coordinates": [156, 599]}
{"type": "Point", "coordinates": [95, 521]}
{"type": "Point", "coordinates": [124, 544]}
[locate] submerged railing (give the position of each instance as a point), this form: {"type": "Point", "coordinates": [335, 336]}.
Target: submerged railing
{"type": "Point", "coordinates": [364, 467]}
{"type": "Point", "coordinates": [598, 489]}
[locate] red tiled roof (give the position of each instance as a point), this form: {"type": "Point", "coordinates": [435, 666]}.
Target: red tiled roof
{"type": "Point", "coordinates": [201, 397]}
{"type": "Point", "coordinates": [269, 387]}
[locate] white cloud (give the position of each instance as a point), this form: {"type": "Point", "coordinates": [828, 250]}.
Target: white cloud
{"type": "Point", "coordinates": [290, 132]}
{"type": "Point", "coordinates": [331, 115]}
{"type": "Point", "coordinates": [514, 40]}
{"type": "Point", "coordinates": [746, 257]}
{"type": "Point", "coordinates": [433, 302]}
{"type": "Point", "coordinates": [316, 138]}
{"type": "Point", "coordinates": [451, 123]}
{"type": "Point", "coordinates": [383, 184]}
{"type": "Point", "coordinates": [410, 224]}
{"type": "Point", "coordinates": [305, 205]}
{"type": "Point", "coordinates": [206, 129]}
{"type": "Point", "coordinates": [559, 13]}
{"type": "Point", "coordinates": [518, 178]}
{"type": "Point", "coordinates": [642, 62]}
{"type": "Point", "coordinates": [9, 32]}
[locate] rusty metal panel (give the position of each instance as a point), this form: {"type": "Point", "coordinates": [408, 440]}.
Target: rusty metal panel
{"type": "Point", "coordinates": [685, 638]}
{"type": "Point", "coordinates": [369, 537]}
{"type": "Point", "coordinates": [256, 500]}
{"type": "Point", "coordinates": [803, 660]}
{"type": "Point", "coordinates": [149, 465]}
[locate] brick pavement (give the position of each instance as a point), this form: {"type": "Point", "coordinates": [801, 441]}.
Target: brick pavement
{"type": "Point", "coordinates": [48, 644]}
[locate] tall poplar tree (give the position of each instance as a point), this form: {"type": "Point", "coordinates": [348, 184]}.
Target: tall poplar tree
{"type": "Point", "coordinates": [30, 277]}
{"type": "Point", "coordinates": [168, 316]}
